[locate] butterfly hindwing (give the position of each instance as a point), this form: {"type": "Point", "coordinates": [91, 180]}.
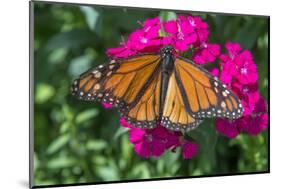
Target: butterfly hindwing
{"type": "Point", "coordinates": [204, 94]}
{"type": "Point", "coordinates": [175, 116]}
{"type": "Point", "coordinates": [144, 112]}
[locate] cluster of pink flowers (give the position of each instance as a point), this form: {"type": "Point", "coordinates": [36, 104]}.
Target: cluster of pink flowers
{"type": "Point", "coordinates": [154, 142]}
{"type": "Point", "coordinates": [237, 70]}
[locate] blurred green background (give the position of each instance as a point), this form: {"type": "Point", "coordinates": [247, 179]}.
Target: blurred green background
{"type": "Point", "coordinates": [78, 142]}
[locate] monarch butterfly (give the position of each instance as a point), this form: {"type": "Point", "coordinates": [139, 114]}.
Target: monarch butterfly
{"type": "Point", "coordinates": [159, 88]}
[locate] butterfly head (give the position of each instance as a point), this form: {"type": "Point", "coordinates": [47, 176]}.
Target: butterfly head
{"type": "Point", "coordinates": [167, 50]}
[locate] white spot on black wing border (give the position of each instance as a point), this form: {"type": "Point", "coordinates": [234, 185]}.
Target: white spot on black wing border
{"type": "Point", "coordinates": [139, 124]}
{"type": "Point", "coordinates": [98, 73]}
{"type": "Point", "coordinates": [165, 122]}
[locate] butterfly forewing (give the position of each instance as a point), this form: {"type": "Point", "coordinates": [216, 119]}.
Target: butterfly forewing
{"type": "Point", "coordinates": [204, 95]}
{"type": "Point", "coordinates": [144, 112]}
{"type": "Point", "coordinates": [124, 84]}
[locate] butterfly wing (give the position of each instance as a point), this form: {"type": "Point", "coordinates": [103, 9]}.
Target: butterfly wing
{"type": "Point", "coordinates": [131, 85]}
{"type": "Point", "coordinates": [175, 115]}
{"type": "Point", "coordinates": [204, 95]}
{"type": "Point", "coordinates": [144, 112]}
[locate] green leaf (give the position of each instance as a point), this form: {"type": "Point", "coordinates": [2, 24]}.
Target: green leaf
{"type": "Point", "coordinates": [120, 131]}
{"type": "Point", "coordinates": [57, 55]}
{"type": "Point", "coordinates": [167, 15]}
{"type": "Point", "coordinates": [43, 93]}
{"type": "Point", "coordinates": [141, 171]}
{"type": "Point", "coordinates": [58, 143]}
{"type": "Point", "coordinates": [91, 16]}
{"type": "Point", "coordinates": [67, 112]}
{"type": "Point", "coordinates": [108, 173]}
{"type": "Point", "coordinates": [196, 172]}
{"type": "Point", "coordinates": [64, 127]}
{"type": "Point", "coordinates": [71, 39]}
{"type": "Point", "coordinates": [86, 115]}
{"type": "Point", "coordinates": [99, 159]}
{"type": "Point", "coordinates": [175, 168]}
{"type": "Point", "coordinates": [251, 31]}
{"type": "Point", "coordinates": [171, 158]}
{"type": "Point", "coordinates": [80, 64]}
{"type": "Point", "coordinates": [96, 145]}
{"type": "Point", "coordinates": [160, 166]}
{"type": "Point", "coordinates": [126, 148]}
{"type": "Point", "coordinates": [36, 162]}
{"type": "Point", "coordinates": [61, 162]}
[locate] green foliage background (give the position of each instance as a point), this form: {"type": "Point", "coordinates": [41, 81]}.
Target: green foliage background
{"type": "Point", "coordinates": [78, 142]}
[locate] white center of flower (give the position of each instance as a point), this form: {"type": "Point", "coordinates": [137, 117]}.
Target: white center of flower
{"type": "Point", "coordinates": [180, 35]}
{"type": "Point", "coordinates": [204, 45]}
{"type": "Point", "coordinates": [245, 89]}
{"type": "Point", "coordinates": [148, 137]}
{"type": "Point", "coordinates": [192, 22]}
{"type": "Point", "coordinates": [164, 140]}
{"type": "Point", "coordinates": [143, 40]}
{"type": "Point", "coordinates": [243, 71]}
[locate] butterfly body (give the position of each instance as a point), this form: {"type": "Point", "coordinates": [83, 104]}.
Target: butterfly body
{"type": "Point", "coordinates": [152, 89]}
{"type": "Point", "coordinates": [167, 65]}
